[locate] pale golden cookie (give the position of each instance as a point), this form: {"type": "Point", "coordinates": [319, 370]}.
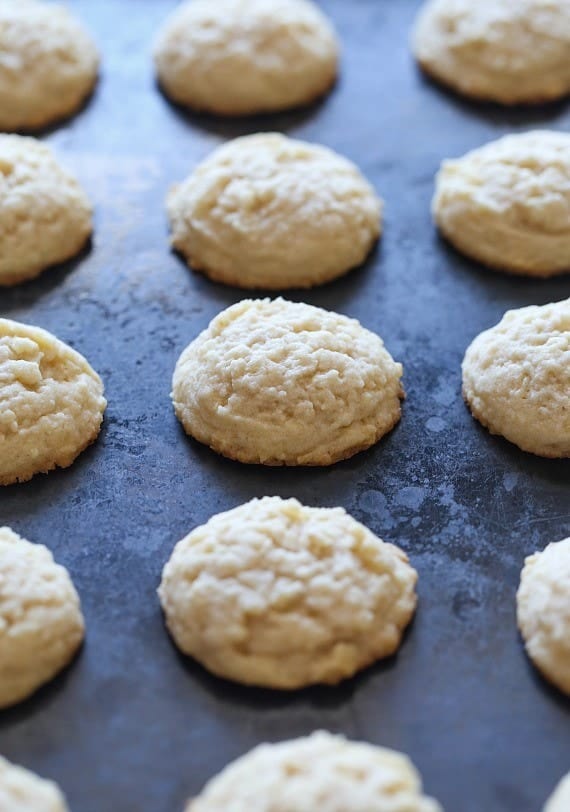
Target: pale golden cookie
{"type": "Point", "coordinates": [516, 378]}
{"type": "Point", "coordinates": [320, 772]}
{"type": "Point", "coordinates": [48, 64]}
{"type": "Point", "coordinates": [283, 596]}
{"type": "Point", "coordinates": [41, 625]}
{"type": "Point", "coordinates": [266, 211]}
{"type": "Point", "coordinates": [507, 204]}
{"type": "Point", "coordinates": [24, 791]}
{"type": "Point", "coordinates": [543, 612]}
{"type": "Point", "coordinates": [51, 402]}
{"type": "Point", "coordinates": [560, 800]}
{"type": "Point", "coordinates": [284, 383]}
{"type": "Point", "coordinates": [237, 57]}
{"type": "Point", "coordinates": [507, 51]}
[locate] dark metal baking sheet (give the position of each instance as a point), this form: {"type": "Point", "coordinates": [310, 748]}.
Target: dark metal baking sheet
{"type": "Point", "coordinates": [132, 726]}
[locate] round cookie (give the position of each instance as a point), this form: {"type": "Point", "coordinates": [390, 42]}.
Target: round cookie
{"type": "Point", "coordinates": [45, 216]}
{"type": "Point", "coordinates": [516, 378]}
{"type": "Point", "coordinates": [543, 612]}
{"type": "Point", "coordinates": [279, 595]}
{"type": "Point", "coordinates": [321, 771]}
{"type": "Point", "coordinates": [239, 57]}
{"type": "Point", "coordinates": [284, 383]}
{"type": "Point", "coordinates": [41, 625]}
{"type": "Point", "coordinates": [51, 402]}
{"type": "Point", "coordinates": [24, 791]}
{"type": "Point", "coordinates": [267, 211]}
{"type": "Point", "coordinates": [48, 67]}
{"type": "Point", "coordinates": [560, 800]}
{"type": "Point", "coordinates": [507, 204]}
{"type": "Point", "coordinates": [506, 51]}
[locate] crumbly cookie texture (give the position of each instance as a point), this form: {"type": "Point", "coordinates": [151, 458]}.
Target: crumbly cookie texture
{"type": "Point", "coordinates": [507, 204]}
{"type": "Point", "coordinates": [41, 625]}
{"type": "Point", "coordinates": [507, 51]}
{"type": "Point", "coordinates": [24, 791]}
{"type": "Point", "coordinates": [51, 402]}
{"type": "Point", "coordinates": [543, 612]}
{"type": "Point", "coordinates": [560, 800]}
{"type": "Point", "coordinates": [516, 378]}
{"type": "Point", "coordinates": [266, 211]}
{"type": "Point", "coordinates": [48, 64]}
{"type": "Point", "coordinates": [280, 595]}
{"type": "Point", "coordinates": [321, 771]}
{"type": "Point", "coordinates": [281, 383]}
{"type": "Point", "coordinates": [238, 57]}
{"type": "Point", "coordinates": [45, 216]}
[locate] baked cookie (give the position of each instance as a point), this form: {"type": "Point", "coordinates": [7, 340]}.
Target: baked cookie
{"type": "Point", "coordinates": [507, 51]}
{"type": "Point", "coordinates": [516, 378]}
{"type": "Point", "coordinates": [24, 791]}
{"type": "Point", "coordinates": [41, 625]}
{"type": "Point", "coordinates": [283, 596]}
{"type": "Point", "coordinates": [543, 612]}
{"type": "Point", "coordinates": [560, 801]}
{"type": "Point", "coordinates": [48, 64]}
{"type": "Point", "coordinates": [321, 771]}
{"type": "Point", "coordinates": [266, 211]}
{"type": "Point", "coordinates": [45, 216]}
{"type": "Point", "coordinates": [51, 402]}
{"type": "Point", "coordinates": [239, 57]}
{"type": "Point", "coordinates": [284, 383]}
{"type": "Point", "coordinates": [507, 204]}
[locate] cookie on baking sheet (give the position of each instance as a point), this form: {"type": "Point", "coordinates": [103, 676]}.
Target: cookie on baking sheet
{"type": "Point", "coordinates": [48, 64]}
{"type": "Point", "coordinates": [560, 800]}
{"type": "Point", "coordinates": [506, 51]}
{"type": "Point", "coordinates": [267, 211]}
{"type": "Point", "coordinates": [516, 378]}
{"type": "Point", "coordinates": [24, 791]}
{"type": "Point", "coordinates": [283, 596]}
{"type": "Point", "coordinates": [238, 57]}
{"type": "Point", "coordinates": [45, 216]}
{"type": "Point", "coordinates": [543, 612]}
{"type": "Point", "coordinates": [507, 204]}
{"type": "Point", "coordinates": [321, 771]}
{"type": "Point", "coordinates": [51, 402]}
{"type": "Point", "coordinates": [41, 625]}
{"type": "Point", "coordinates": [284, 383]}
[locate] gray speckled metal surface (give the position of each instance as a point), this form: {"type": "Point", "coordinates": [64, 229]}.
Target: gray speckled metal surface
{"type": "Point", "coordinates": [132, 726]}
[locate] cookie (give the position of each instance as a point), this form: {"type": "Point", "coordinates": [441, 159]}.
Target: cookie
{"type": "Point", "coordinates": [51, 402]}
{"type": "Point", "coordinates": [266, 211]}
{"type": "Point", "coordinates": [239, 57]}
{"type": "Point", "coordinates": [48, 64]}
{"type": "Point", "coordinates": [560, 801]}
{"type": "Point", "coordinates": [41, 625]}
{"type": "Point", "coordinates": [506, 51]}
{"type": "Point", "coordinates": [23, 791]}
{"type": "Point", "coordinates": [516, 378]}
{"type": "Point", "coordinates": [507, 204]}
{"type": "Point", "coordinates": [279, 595]}
{"type": "Point", "coordinates": [284, 383]}
{"type": "Point", "coordinates": [45, 216]}
{"type": "Point", "coordinates": [321, 771]}
{"type": "Point", "coordinates": [543, 612]}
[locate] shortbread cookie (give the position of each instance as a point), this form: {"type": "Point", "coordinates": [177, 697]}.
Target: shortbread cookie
{"type": "Point", "coordinates": [51, 402]}
{"type": "Point", "coordinates": [48, 64]}
{"type": "Point", "coordinates": [321, 771]}
{"type": "Point", "coordinates": [41, 625]}
{"type": "Point", "coordinates": [280, 595]}
{"type": "Point", "coordinates": [507, 51]}
{"type": "Point", "coordinates": [281, 383]}
{"type": "Point", "coordinates": [543, 612]}
{"type": "Point", "coordinates": [516, 378]}
{"type": "Point", "coordinates": [507, 204]}
{"type": "Point", "coordinates": [24, 791]}
{"type": "Point", "coordinates": [237, 57]}
{"type": "Point", "coordinates": [266, 211]}
{"type": "Point", "coordinates": [45, 216]}
{"type": "Point", "coordinates": [560, 801]}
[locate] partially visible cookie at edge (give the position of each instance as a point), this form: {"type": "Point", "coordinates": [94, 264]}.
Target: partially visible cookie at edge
{"type": "Point", "coordinates": [23, 791]}
{"type": "Point", "coordinates": [560, 799]}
